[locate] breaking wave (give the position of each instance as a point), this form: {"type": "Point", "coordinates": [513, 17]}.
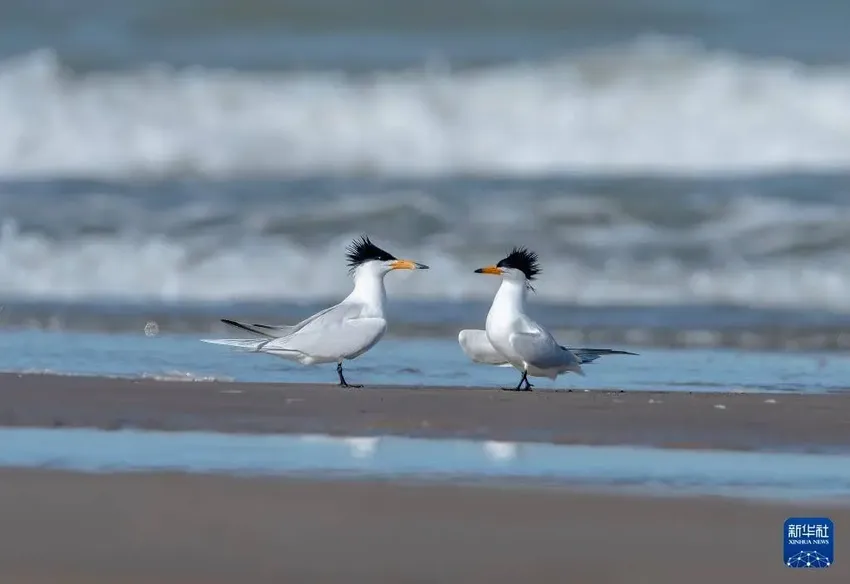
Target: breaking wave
{"type": "Point", "coordinates": [659, 106]}
{"type": "Point", "coordinates": [746, 250]}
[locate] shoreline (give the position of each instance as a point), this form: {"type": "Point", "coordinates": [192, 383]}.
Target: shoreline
{"type": "Point", "coordinates": [69, 528]}
{"type": "Point", "coordinates": [730, 421]}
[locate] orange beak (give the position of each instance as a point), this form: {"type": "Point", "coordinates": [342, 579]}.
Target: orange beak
{"type": "Point", "coordinates": [408, 265]}
{"type": "Point", "coordinates": [492, 270]}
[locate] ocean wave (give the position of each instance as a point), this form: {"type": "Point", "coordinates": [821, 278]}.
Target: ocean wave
{"type": "Point", "coordinates": [751, 251]}
{"type": "Point", "coordinates": [658, 106]}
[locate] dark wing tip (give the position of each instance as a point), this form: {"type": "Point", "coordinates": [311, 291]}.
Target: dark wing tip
{"type": "Point", "coordinates": [588, 355]}
{"type": "Point", "coordinates": [242, 326]}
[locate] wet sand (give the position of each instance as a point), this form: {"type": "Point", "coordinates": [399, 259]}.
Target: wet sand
{"type": "Point", "coordinates": [64, 528]}
{"type": "Point", "coordinates": [72, 528]}
{"type": "Point", "coordinates": [698, 420]}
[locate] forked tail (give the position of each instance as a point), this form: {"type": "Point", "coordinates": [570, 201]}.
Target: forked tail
{"type": "Point", "coordinates": [250, 345]}
{"type": "Point", "coordinates": [587, 355]}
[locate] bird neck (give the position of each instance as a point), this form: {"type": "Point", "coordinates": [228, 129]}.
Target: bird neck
{"type": "Point", "coordinates": [510, 298]}
{"type": "Point", "coordinates": [369, 290]}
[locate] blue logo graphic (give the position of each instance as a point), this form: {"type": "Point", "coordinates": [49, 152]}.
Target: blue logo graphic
{"type": "Point", "coordinates": [809, 542]}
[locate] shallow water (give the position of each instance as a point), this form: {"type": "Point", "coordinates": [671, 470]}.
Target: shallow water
{"type": "Point", "coordinates": [415, 361]}
{"type": "Point", "coordinates": [748, 474]}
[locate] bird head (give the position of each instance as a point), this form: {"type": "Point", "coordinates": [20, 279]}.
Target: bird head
{"type": "Point", "coordinates": [520, 265]}
{"type": "Point", "coordinates": [364, 256]}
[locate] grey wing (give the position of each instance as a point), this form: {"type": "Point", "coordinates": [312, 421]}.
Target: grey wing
{"type": "Point", "coordinates": [335, 331]}
{"type": "Point", "coordinates": [477, 347]}
{"type": "Point", "coordinates": [321, 320]}
{"type": "Point", "coordinates": [277, 331]}
{"type": "Point", "coordinates": [541, 351]}
{"type": "Point", "coordinates": [272, 331]}
{"type": "Point", "coordinates": [348, 338]}
{"type": "Point", "coordinates": [342, 310]}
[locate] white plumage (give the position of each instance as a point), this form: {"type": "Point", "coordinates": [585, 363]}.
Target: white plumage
{"type": "Point", "coordinates": [512, 338]}
{"type": "Point", "coordinates": [342, 332]}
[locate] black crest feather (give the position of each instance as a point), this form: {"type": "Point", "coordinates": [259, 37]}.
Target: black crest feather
{"type": "Point", "coordinates": [362, 250]}
{"type": "Point", "coordinates": [522, 259]}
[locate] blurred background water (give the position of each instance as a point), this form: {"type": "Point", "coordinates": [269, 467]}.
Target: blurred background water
{"type": "Point", "coordinates": [680, 166]}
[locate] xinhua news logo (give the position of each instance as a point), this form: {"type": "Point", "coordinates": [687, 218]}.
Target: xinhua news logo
{"type": "Point", "coordinates": [809, 542]}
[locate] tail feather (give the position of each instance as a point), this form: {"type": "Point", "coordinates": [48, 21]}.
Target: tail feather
{"type": "Point", "coordinates": [588, 355]}
{"type": "Point", "coordinates": [251, 345]}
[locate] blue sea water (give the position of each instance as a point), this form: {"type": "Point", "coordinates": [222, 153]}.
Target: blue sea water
{"type": "Point", "coordinates": [416, 361]}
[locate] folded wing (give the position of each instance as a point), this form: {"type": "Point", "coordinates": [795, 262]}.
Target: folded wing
{"type": "Point", "coordinates": [541, 351]}
{"type": "Point", "coordinates": [336, 331]}
{"type": "Point", "coordinates": [278, 331]}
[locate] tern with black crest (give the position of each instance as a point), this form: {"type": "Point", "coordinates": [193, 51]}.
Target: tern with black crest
{"type": "Point", "coordinates": [511, 338]}
{"type": "Point", "coordinates": [342, 332]}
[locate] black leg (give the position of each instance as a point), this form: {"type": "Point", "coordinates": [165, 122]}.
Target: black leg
{"type": "Point", "coordinates": [519, 386]}
{"type": "Point", "coordinates": [342, 381]}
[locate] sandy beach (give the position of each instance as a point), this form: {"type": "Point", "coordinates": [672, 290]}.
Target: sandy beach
{"type": "Point", "coordinates": [65, 528]}
{"type": "Point", "coordinates": [698, 420]}
{"type": "Point", "coordinates": [72, 528]}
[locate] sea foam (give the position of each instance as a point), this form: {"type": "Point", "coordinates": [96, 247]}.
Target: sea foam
{"type": "Point", "coordinates": [658, 106]}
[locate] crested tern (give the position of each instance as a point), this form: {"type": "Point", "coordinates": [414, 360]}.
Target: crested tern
{"type": "Point", "coordinates": [512, 339]}
{"type": "Point", "coordinates": [342, 332]}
